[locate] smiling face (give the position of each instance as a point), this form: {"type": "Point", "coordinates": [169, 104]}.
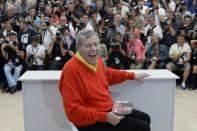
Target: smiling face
{"type": "Point", "coordinates": [180, 40]}
{"type": "Point", "coordinates": [89, 49]}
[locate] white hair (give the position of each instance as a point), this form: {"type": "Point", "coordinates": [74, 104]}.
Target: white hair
{"type": "Point", "coordinates": [85, 34]}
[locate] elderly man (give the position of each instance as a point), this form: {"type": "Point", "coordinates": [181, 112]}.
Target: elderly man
{"type": "Point", "coordinates": [84, 87]}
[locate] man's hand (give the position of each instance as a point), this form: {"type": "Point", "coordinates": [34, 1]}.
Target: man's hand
{"type": "Point", "coordinates": [113, 118]}
{"type": "Point", "coordinates": [140, 76]}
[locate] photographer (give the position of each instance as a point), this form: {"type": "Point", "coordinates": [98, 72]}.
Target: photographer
{"type": "Point", "coordinates": [68, 39]}
{"type": "Point", "coordinates": [48, 32]}
{"type": "Point", "coordinates": [151, 29]}
{"type": "Point", "coordinates": [35, 54]}
{"type": "Point", "coordinates": [72, 10]}
{"type": "Point", "coordinates": [187, 28]}
{"type": "Point", "coordinates": [13, 54]}
{"type": "Point", "coordinates": [119, 8]}
{"type": "Point", "coordinates": [180, 55]}
{"type": "Point", "coordinates": [181, 10]}
{"type": "Point", "coordinates": [25, 33]}
{"type": "Point", "coordinates": [8, 28]}
{"type": "Point", "coordinates": [135, 52]}
{"type": "Point", "coordinates": [117, 53]}
{"type": "Point", "coordinates": [115, 26]}
{"type": "Point", "coordinates": [67, 29]}
{"type": "Point", "coordinates": [131, 27]}
{"type": "Point", "coordinates": [100, 9]}
{"type": "Point", "coordinates": [157, 55]}
{"type": "Point", "coordinates": [22, 6]}
{"type": "Point", "coordinates": [138, 20]}
{"type": "Point", "coordinates": [85, 24]}
{"type": "Point", "coordinates": [55, 61]}
{"type": "Point", "coordinates": [109, 16]}
{"type": "Point", "coordinates": [34, 21]}
{"type": "Point", "coordinates": [170, 28]}
{"type": "Point", "coordinates": [52, 14]}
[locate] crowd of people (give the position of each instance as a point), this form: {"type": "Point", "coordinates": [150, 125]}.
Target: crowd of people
{"type": "Point", "coordinates": [134, 34]}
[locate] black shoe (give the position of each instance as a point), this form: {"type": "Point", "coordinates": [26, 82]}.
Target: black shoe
{"type": "Point", "coordinates": [13, 90]}
{"type": "Point", "coordinates": [191, 88]}
{"type": "Point", "coordinates": [7, 90]}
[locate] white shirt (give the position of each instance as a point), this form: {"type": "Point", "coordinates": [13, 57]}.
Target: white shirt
{"type": "Point", "coordinates": [39, 50]}
{"type": "Point", "coordinates": [89, 27]}
{"type": "Point", "coordinates": [180, 49]}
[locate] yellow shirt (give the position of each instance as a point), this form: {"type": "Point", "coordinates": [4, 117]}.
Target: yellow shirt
{"type": "Point", "coordinates": [80, 58]}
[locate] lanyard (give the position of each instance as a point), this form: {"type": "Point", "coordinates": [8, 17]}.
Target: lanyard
{"type": "Point", "coordinates": [33, 50]}
{"type": "Point", "coordinates": [180, 48]}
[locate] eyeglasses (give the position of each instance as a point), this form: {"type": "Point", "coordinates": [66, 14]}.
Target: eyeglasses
{"type": "Point", "coordinates": [62, 20]}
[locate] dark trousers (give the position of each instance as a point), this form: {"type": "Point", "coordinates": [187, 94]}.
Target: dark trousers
{"type": "Point", "coordinates": [136, 121]}
{"type": "Point", "coordinates": [193, 81]}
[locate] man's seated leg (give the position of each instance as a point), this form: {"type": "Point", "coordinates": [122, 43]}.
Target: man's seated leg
{"type": "Point", "coordinates": [17, 72]}
{"type": "Point", "coordinates": [136, 121]}
{"type": "Point", "coordinates": [171, 66]}
{"type": "Point", "coordinates": [9, 78]}
{"type": "Point", "coordinates": [186, 72]}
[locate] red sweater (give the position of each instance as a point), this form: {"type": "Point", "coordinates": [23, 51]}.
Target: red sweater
{"type": "Point", "coordinates": [85, 93]}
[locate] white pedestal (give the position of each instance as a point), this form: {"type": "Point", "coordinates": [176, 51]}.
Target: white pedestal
{"type": "Point", "coordinates": [43, 108]}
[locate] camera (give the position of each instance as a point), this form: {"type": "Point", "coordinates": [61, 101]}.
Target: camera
{"type": "Point", "coordinates": [57, 4]}
{"type": "Point", "coordinates": [115, 45]}
{"type": "Point", "coordinates": [6, 48]}
{"type": "Point", "coordinates": [107, 21]}
{"type": "Point", "coordinates": [17, 60]}
{"type": "Point", "coordinates": [128, 15]}
{"type": "Point", "coordinates": [81, 25]}
{"type": "Point", "coordinates": [110, 24]}
{"type": "Point", "coordinates": [47, 23]}
{"type": "Point", "coordinates": [191, 32]}
{"type": "Point", "coordinates": [62, 28]}
{"type": "Point", "coordinates": [181, 59]}
{"type": "Point", "coordinates": [66, 7]}
{"type": "Point", "coordinates": [182, 31]}
{"type": "Point", "coordinates": [15, 21]}
{"type": "Point", "coordinates": [14, 43]}
{"type": "Point", "coordinates": [117, 60]}
{"type": "Point", "coordinates": [29, 20]}
{"type": "Point", "coordinates": [103, 40]}
{"type": "Point", "coordinates": [182, 3]}
{"type": "Point", "coordinates": [30, 61]}
{"type": "Point", "coordinates": [132, 56]}
{"type": "Point", "coordinates": [149, 32]}
{"type": "Point", "coordinates": [58, 36]}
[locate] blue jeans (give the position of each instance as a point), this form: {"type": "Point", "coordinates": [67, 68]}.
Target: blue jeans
{"type": "Point", "coordinates": [12, 78]}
